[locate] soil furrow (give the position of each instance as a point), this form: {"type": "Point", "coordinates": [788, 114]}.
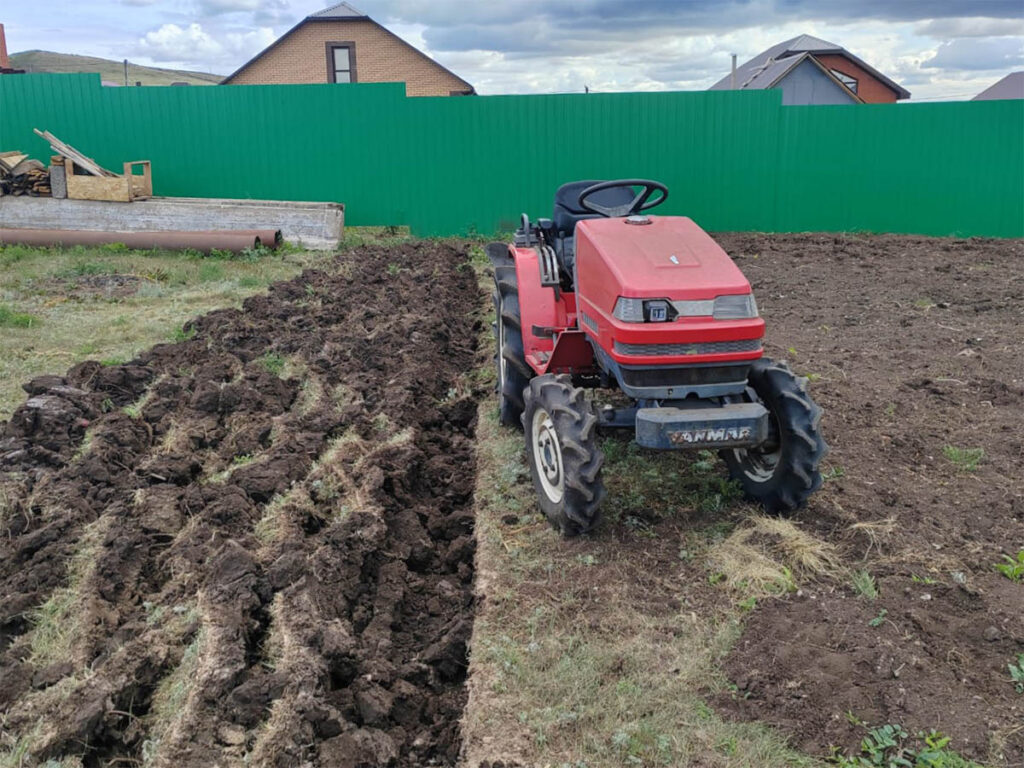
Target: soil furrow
{"type": "Point", "coordinates": [276, 513]}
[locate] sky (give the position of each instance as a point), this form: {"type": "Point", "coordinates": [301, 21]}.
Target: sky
{"type": "Point", "coordinates": [936, 49]}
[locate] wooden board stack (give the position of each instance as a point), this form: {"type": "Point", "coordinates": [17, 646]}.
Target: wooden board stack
{"type": "Point", "coordinates": [20, 175]}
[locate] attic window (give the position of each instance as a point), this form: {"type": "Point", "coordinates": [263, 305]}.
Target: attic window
{"type": "Point", "coordinates": [849, 82]}
{"type": "Point", "coordinates": [341, 62]}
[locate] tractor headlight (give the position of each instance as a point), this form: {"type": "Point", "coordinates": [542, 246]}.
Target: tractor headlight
{"type": "Point", "coordinates": [643, 310]}
{"type": "Point", "coordinates": [629, 310]}
{"type": "Point", "coordinates": [735, 307]}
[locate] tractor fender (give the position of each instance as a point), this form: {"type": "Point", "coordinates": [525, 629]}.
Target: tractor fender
{"type": "Point", "coordinates": [538, 307]}
{"type": "Point", "coordinates": [499, 254]}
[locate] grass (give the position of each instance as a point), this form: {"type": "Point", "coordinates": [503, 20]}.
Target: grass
{"type": "Point", "coordinates": [273, 362]}
{"type": "Point", "coordinates": [55, 624]}
{"type": "Point", "coordinates": [1017, 673]}
{"type": "Point", "coordinates": [134, 410]}
{"type": "Point", "coordinates": [11, 319]}
{"type": "Point", "coordinates": [1012, 568]}
{"type": "Point", "coordinates": [170, 698]}
{"type": "Point", "coordinates": [864, 585]}
{"type": "Point", "coordinates": [56, 309]}
{"type": "Point", "coordinates": [965, 459]}
{"type": "Point", "coordinates": [236, 463]}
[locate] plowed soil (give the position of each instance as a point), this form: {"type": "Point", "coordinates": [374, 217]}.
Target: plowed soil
{"type": "Point", "coordinates": [255, 545]}
{"type": "Point", "coordinates": [915, 347]}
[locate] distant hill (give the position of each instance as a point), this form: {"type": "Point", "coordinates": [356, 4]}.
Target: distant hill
{"type": "Point", "coordinates": [109, 71]}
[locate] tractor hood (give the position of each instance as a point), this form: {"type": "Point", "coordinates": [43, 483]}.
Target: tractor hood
{"type": "Point", "coordinates": [668, 258]}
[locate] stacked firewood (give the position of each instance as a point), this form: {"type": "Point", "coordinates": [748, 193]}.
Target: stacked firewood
{"type": "Point", "coordinates": [20, 175]}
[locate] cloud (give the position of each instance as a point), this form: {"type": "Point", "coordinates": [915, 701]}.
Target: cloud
{"type": "Point", "coordinates": [173, 43]}
{"type": "Point", "coordinates": [229, 6]}
{"type": "Point", "coordinates": [245, 45]}
{"type": "Point", "coordinates": [193, 46]}
{"type": "Point", "coordinates": [978, 53]}
{"type": "Point", "coordinates": [946, 29]}
{"type": "Point", "coordinates": [562, 25]}
{"type": "Point", "coordinates": [263, 12]}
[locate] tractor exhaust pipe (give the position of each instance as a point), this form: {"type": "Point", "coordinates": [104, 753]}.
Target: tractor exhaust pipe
{"type": "Point", "coordinates": [732, 77]}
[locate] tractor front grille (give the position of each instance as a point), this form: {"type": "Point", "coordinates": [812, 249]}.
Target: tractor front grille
{"type": "Point", "coordinates": [702, 348]}
{"type": "Point", "coordinates": [684, 376]}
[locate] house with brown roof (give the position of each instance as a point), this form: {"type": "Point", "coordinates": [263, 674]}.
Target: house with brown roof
{"type": "Point", "coordinates": [343, 45]}
{"type": "Point", "coordinates": [809, 70]}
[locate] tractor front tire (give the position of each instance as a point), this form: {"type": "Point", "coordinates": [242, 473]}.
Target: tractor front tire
{"type": "Point", "coordinates": [513, 372]}
{"type": "Point", "coordinates": [784, 472]}
{"type": "Point", "coordinates": [561, 448]}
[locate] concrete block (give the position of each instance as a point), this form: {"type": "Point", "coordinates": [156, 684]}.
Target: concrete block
{"type": "Point", "coordinates": [316, 226]}
{"type": "Point", "coordinates": [58, 182]}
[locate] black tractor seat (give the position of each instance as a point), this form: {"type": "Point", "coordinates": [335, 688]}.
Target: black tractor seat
{"type": "Point", "coordinates": [567, 211]}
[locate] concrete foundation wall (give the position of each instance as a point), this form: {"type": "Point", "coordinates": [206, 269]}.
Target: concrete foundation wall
{"type": "Point", "coordinates": [317, 226]}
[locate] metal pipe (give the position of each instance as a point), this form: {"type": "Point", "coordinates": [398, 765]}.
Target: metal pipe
{"type": "Point", "coordinates": [732, 77]}
{"type": "Point", "coordinates": [205, 241]}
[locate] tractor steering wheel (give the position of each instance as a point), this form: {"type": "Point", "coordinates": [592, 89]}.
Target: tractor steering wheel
{"type": "Point", "coordinates": [641, 202]}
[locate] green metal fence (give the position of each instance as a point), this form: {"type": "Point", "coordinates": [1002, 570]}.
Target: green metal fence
{"type": "Point", "coordinates": [733, 160]}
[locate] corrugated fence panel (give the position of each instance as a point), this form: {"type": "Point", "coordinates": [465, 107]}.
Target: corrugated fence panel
{"type": "Point", "coordinates": [938, 169]}
{"type": "Point", "coordinates": [732, 160]}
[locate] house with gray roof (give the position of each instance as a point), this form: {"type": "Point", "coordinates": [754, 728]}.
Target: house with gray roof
{"type": "Point", "coordinates": [809, 70]}
{"type": "Point", "coordinates": [1010, 87]}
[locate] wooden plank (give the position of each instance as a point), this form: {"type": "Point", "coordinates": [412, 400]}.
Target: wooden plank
{"type": "Point", "coordinates": [10, 159]}
{"type": "Point", "coordinates": [71, 153]}
{"type": "Point", "coordinates": [87, 164]}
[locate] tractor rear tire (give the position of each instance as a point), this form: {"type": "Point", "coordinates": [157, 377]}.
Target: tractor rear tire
{"type": "Point", "coordinates": [783, 473]}
{"type": "Point", "coordinates": [561, 449]}
{"type": "Point", "coordinates": [513, 372]}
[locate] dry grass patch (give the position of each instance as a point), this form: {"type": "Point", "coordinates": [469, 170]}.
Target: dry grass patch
{"type": "Point", "coordinates": [767, 555]}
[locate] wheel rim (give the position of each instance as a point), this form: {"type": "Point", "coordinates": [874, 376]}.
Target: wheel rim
{"type": "Point", "coordinates": [547, 455]}
{"type": "Point", "coordinates": [759, 464]}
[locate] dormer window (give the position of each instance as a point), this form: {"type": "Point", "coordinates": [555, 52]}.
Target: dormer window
{"type": "Point", "coordinates": [849, 82]}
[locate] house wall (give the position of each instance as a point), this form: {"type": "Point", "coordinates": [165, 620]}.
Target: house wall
{"type": "Point", "coordinates": [380, 57]}
{"type": "Point", "coordinates": [869, 88]}
{"type": "Point", "coordinates": [807, 84]}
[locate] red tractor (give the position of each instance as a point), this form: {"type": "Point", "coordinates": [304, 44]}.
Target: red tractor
{"type": "Point", "coordinates": [603, 296]}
